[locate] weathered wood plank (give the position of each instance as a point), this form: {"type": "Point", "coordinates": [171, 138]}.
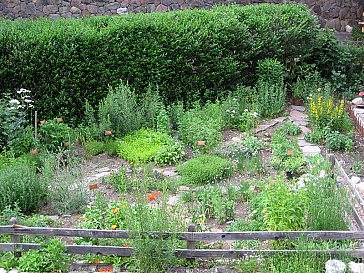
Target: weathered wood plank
{"type": "Point", "coordinates": [180, 253]}
{"type": "Point", "coordinates": [357, 219]}
{"type": "Point", "coordinates": [75, 249]}
{"type": "Point", "coordinates": [190, 236]}
{"type": "Point", "coordinates": [202, 253]}
{"type": "Point", "coordinates": [347, 180]}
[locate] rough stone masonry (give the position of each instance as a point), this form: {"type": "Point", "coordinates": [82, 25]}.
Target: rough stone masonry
{"type": "Point", "coordinates": [335, 14]}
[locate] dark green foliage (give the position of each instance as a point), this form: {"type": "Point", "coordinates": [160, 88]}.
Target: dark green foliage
{"type": "Point", "coordinates": [188, 54]}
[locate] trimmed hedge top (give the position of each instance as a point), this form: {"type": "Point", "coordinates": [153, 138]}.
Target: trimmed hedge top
{"type": "Point", "coordinates": [193, 54]}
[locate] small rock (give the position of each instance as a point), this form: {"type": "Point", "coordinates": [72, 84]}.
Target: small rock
{"type": "Point", "coordinates": [236, 139]}
{"type": "Point", "coordinates": [102, 170]}
{"type": "Point", "coordinates": [183, 188]}
{"type": "Point", "coordinates": [335, 266]}
{"type": "Point", "coordinates": [297, 115]}
{"type": "Point", "coordinates": [305, 130]}
{"type": "Point", "coordinates": [355, 179]}
{"type": "Point", "coordinates": [13, 271]}
{"type": "Point", "coordinates": [2, 270]}
{"type": "Point", "coordinates": [173, 200]}
{"type": "Point", "coordinates": [100, 175]}
{"type": "Point", "coordinates": [360, 187]}
{"type": "Point", "coordinates": [348, 29]}
{"type": "Point", "coordinates": [170, 173]}
{"type": "Point", "coordinates": [53, 218]}
{"type": "Point", "coordinates": [356, 267]}
{"type": "Point", "coordinates": [298, 108]}
{"type": "Point", "coordinates": [122, 11]}
{"type": "Point", "coordinates": [357, 101]}
{"type": "Point", "coordinates": [222, 269]}
{"type": "Point", "coordinates": [66, 215]}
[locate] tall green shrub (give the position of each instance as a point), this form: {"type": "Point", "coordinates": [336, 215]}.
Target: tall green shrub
{"type": "Point", "coordinates": [188, 54]}
{"type": "Point", "coordinates": [119, 111]}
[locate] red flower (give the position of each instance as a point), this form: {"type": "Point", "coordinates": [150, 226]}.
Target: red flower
{"type": "Point", "coordinates": [361, 94]}
{"type": "Point", "coordinates": [290, 152]}
{"type": "Point", "coordinates": [151, 197]}
{"type": "Point", "coordinates": [126, 245]}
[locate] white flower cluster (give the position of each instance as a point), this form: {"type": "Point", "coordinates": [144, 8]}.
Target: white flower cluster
{"type": "Point", "coordinates": [254, 114]}
{"type": "Point", "coordinates": [26, 98]}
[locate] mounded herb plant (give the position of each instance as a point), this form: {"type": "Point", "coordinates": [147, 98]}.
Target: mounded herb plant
{"type": "Point", "coordinates": [205, 169]}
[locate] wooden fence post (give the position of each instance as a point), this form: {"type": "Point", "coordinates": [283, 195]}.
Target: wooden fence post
{"type": "Point", "coordinates": [331, 159]}
{"type": "Point", "coordinates": [191, 244]}
{"type": "Point", "coordinates": [15, 239]}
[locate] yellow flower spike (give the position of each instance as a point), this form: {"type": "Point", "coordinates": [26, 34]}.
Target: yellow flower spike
{"type": "Point", "coordinates": [85, 219]}
{"type": "Point", "coordinates": [341, 110]}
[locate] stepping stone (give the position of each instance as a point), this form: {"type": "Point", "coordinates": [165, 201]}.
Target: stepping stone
{"type": "Point", "coordinates": [299, 122]}
{"type": "Point", "coordinates": [170, 173]}
{"type": "Point", "coordinates": [302, 142]}
{"type": "Point", "coordinates": [355, 179]}
{"type": "Point", "coordinates": [236, 139]}
{"type": "Point", "coordinates": [53, 217]}
{"type": "Point", "coordinates": [356, 267]}
{"type": "Point", "coordinates": [310, 150]}
{"type": "Point", "coordinates": [101, 175]}
{"type": "Point", "coordinates": [335, 266]}
{"type": "Point", "coordinates": [261, 128]}
{"type": "Point", "coordinates": [305, 130]}
{"type": "Point", "coordinates": [298, 108]}
{"type": "Point", "coordinates": [280, 119]}
{"type": "Point", "coordinates": [297, 115]}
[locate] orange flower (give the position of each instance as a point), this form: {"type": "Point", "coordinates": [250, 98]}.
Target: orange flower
{"type": "Point", "coordinates": [33, 152]}
{"type": "Point", "coordinates": [43, 121]}
{"type": "Point", "coordinates": [126, 245]}
{"type": "Point", "coordinates": [290, 152]}
{"type": "Point", "coordinates": [59, 119]}
{"type": "Point", "coordinates": [105, 269]}
{"type": "Point", "coordinates": [156, 193]}
{"type": "Point", "coordinates": [96, 261]}
{"type": "Point", "coordinates": [107, 132]}
{"type": "Point", "coordinates": [113, 227]}
{"type": "Point", "coordinates": [122, 198]}
{"type": "Point", "coordinates": [115, 210]}
{"type": "Point", "coordinates": [66, 144]}
{"type": "Point", "coordinates": [151, 197]}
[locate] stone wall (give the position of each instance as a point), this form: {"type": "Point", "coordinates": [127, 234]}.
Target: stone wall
{"type": "Point", "coordinates": [334, 14]}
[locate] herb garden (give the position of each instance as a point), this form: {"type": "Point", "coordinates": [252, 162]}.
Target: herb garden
{"type": "Point", "coordinates": [157, 142]}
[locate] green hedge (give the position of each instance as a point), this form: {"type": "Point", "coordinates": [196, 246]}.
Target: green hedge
{"type": "Point", "coordinates": [193, 54]}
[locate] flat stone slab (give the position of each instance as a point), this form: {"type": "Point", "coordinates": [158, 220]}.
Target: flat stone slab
{"type": "Point", "coordinates": [310, 150]}
{"type": "Point", "coordinates": [302, 143]}
{"type": "Point", "coordinates": [261, 128]}
{"type": "Point", "coordinates": [280, 119]}
{"type": "Point", "coordinates": [296, 115]}
{"type": "Point", "coordinates": [173, 200]}
{"type": "Point", "coordinates": [305, 130]}
{"type": "Point", "coordinates": [299, 122]}
{"type": "Point", "coordinates": [298, 108]}
{"type": "Point", "coordinates": [105, 169]}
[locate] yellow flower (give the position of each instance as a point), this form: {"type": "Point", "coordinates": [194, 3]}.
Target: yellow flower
{"type": "Point", "coordinates": [123, 206]}
{"type": "Point", "coordinates": [85, 219]}
{"type": "Point", "coordinates": [114, 211]}
{"type": "Point", "coordinates": [341, 110]}
{"type": "Point", "coordinates": [113, 227]}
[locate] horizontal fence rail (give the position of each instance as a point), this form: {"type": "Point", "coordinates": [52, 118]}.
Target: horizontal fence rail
{"type": "Point", "coordinates": [16, 231]}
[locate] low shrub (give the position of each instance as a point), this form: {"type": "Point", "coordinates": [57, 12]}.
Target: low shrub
{"type": "Point", "coordinates": [336, 141]}
{"type": "Point", "coordinates": [55, 135]}
{"type": "Point", "coordinates": [20, 185]}
{"type": "Point", "coordinates": [290, 128]}
{"type": "Point", "coordinates": [143, 145]}
{"type": "Point", "coordinates": [201, 124]}
{"type": "Point", "coordinates": [93, 148]}
{"type": "Point", "coordinates": [111, 147]}
{"type": "Point", "coordinates": [170, 154]}
{"type": "Point", "coordinates": [205, 169]}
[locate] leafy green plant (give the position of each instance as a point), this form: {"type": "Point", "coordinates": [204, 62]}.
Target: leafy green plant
{"type": "Point", "coordinates": [143, 145]}
{"type": "Point", "coordinates": [205, 169]}
{"type": "Point", "coordinates": [290, 128]}
{"type": "Point", "coordinates": [111, 147]}
{"type": "Point", "coordinates": [282, 206]}
{"type": "Point", "coordinates": [51, 257]}
{"type": "Point", "coordinates": [248, 120]}
{"type": "Point", "coordinates": [163, 121]}
{"type": "Point", "coordinates": [336, 141]}
{"type": "Point", "coordinates": [270, 99]}
{"type": "Point", "coordinates": [55, 135]}
{"type": "Point", "coordinates": [358, 167]}
{"type": "Point", "coordinates": [213, 203]}
{"type": "Point", "coordinates": [307, 83]}
{"type": "Point", "coordinates": [251, 165]}
{"type": "Point", "coordinates": [119, 111]}
{"type": "Point", "coordinates": [169, 154]}
{"type": "Point", "coordinates": [151, 107]}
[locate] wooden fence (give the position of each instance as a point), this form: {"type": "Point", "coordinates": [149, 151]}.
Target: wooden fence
{"type": "Point", "coordinates": [191, 236]}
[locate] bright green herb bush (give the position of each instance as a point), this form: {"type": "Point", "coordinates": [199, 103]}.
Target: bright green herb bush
{"type": "Point", "coordinates": [290, 128]}
{"type": "Point", "coordinates": [145, 144]}
{"type": "Point", "coordinates": [336, 141]}
{"type": "Point", "coordinates": [204, 124]}
{"type": "Point", "coordinates": [205, 169]}
{"type": "Point", "coordinates": [88, 55]}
